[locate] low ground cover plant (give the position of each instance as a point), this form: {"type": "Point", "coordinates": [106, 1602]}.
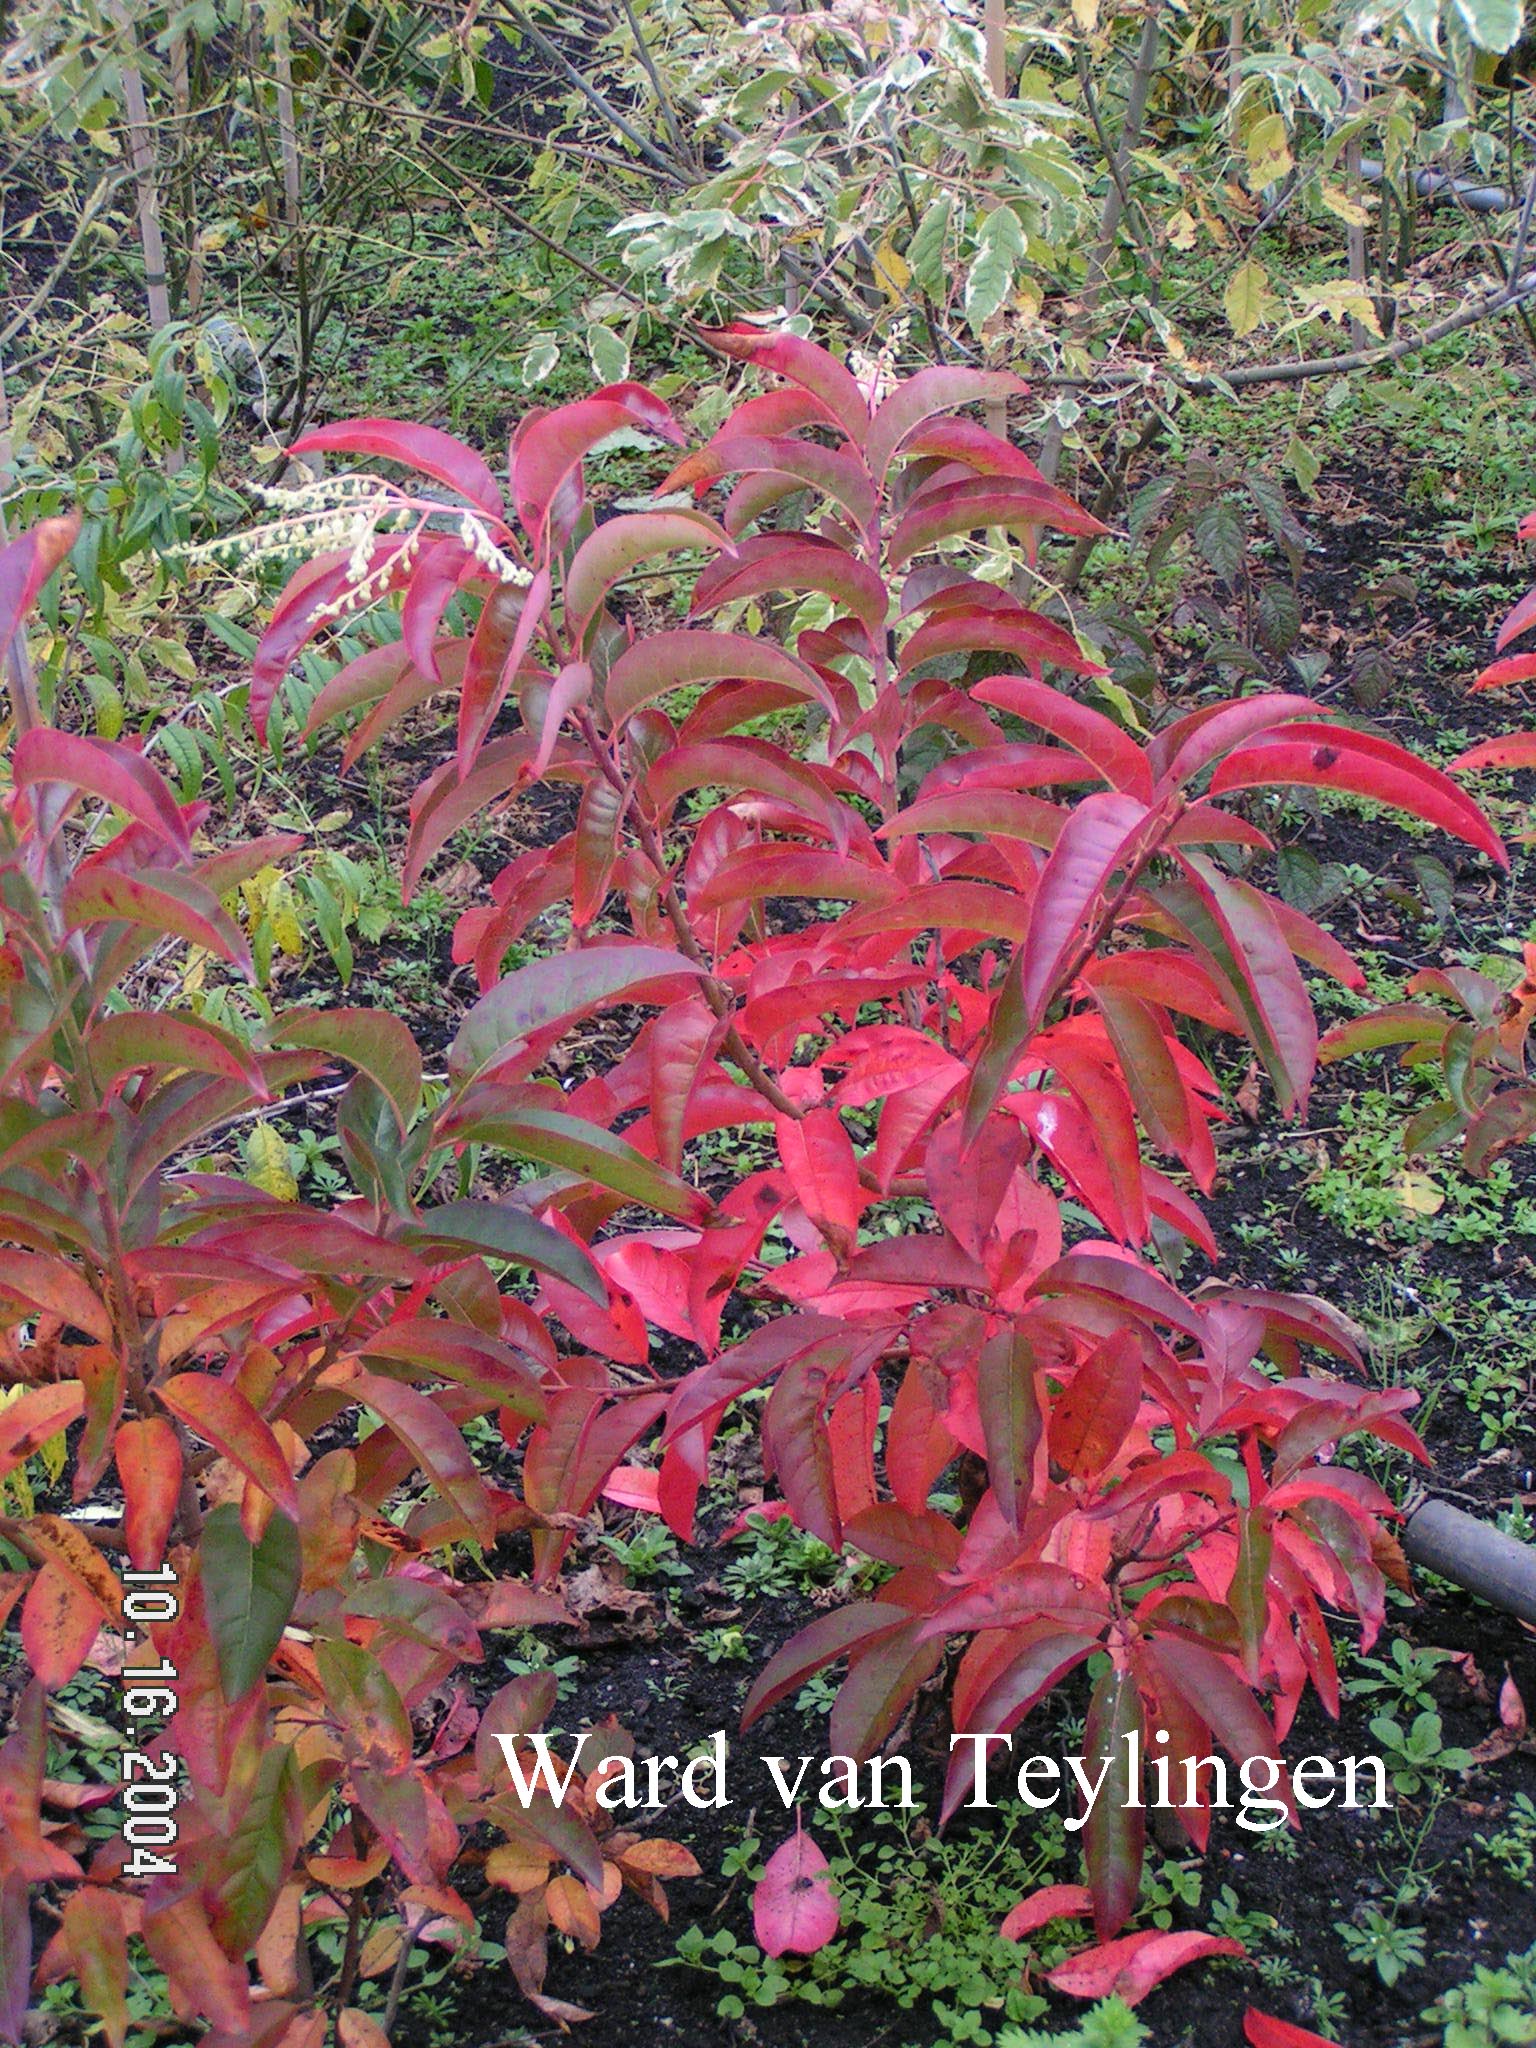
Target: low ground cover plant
{"type": "Point", "coordinates": [865, 873]}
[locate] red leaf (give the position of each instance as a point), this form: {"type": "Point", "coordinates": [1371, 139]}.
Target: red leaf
{"type": "Point", "coordinates": [772, 467]}
{"type": "Point", "coordinates": [60, 1618]}
{"type": "Point", "coordinates": [1513, 750]}
{"type": "Point", "coordinates": [202, 1979]}
{"type": "Point", "coordinates": [1136, 1964]}
{"type": "Point", "coordinates": [437, 574]}
{"type": "Point", "coordinates": [148, 1459]}
{"type": "Point", "coordinates": [549, 450]}
{"type": "Point", "coordinates": [918, 400]}
{"type": "Point", "coordinates": [33, 1417]}
{"type": "Point", "coordinates": [221, 1414]}
{"type": "Point", "coordinates": [618, 545]}
{"type": "Point", "coordinates": [830, 1636]}
{"type": "Point", "coordinates": [803, 363]}
{"type": "Point", "coordinates": [1515, 668]}
{"type": "Point", "coordinates": [743, 764]}
{"type": "Point", "coordinates": [26, 563]}
{"type": "Point", "coordinates": [1052, 1902]}
{"type": "Point", "coordinates": [794, 1909]}
{"type": "Point", "coordinates": [1263, 2030]}
{"type": "Point", "coordinates": [1337, 757]}
{"type": "Point", "coordinates": [1237, 928]}
{"type": "Point", "coordinates": [448, 800]}
{"type": "Point", "coordinates": [680, 659]}
{"type": "Point", "coordinates": [1523, 614]}
{"type": "Point", "coordinates": [434, 1445]}
{"type": "Point", "coordinates": [818, 1156]}
{"type": "Point", "coordinates": [16, 1939]}
{"type": "Point", "coordinates": [1193, 742]}
{"type": "Point", "coordinates": [1092, 1419]}
{"type": "Point", "coordinates": [1029, 636]}
{"type": "Point", "coordinates": [55, 1287]}
{"type": "Point", "coordinates": [794, 561]}
{"type": "Point", "coordinates": [168, 904]}
{"type": "Point", "coordinates": [1018, 505]}
{"type": "Point", "coordinates": [486, 685]}
{"type": "Point", "coordinates": [1098, 739]}
{"type": "Point", "coordinates": [1099, 837]}
{"type": "Point", "coordinates": [995, 813]}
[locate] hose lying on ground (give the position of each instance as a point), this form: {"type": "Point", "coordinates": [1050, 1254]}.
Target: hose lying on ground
{"type": "Point", "coordinates": [1473, 1555]}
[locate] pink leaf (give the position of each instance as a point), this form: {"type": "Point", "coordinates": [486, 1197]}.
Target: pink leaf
{"type": "Point", "coordinates": [26, 563]}
{"type": "Point", "coordinates": [103, 768]}
{"type": "Point", "coordinates": [427, 449]}
{"type": "Point", "coordinates": [794, 1909]}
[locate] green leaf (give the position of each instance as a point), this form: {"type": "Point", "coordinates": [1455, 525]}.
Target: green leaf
{"type": "Point", "coordinates": [261, 1849]}
{"type": "Point", "coordinates": [999, 251]}
{"type": "Point", "coordinates": [249, 1590]}
{"type": "Point", "coordinates": [556, 990]}
{"type": "Point", "coordinates": [610, 355]}
{"type": "Point", "coordinates": [267, 1163]}
{"type": "Point", "coordinates": [1492, 24]}
{"type": "Point", "coordinates": [1010, 1418]}
{"type": "Point", "coordinates": [1221, 534]}
{"type": "Point", "coordinates": [553, 1136]}
{"type": "Point", "coordinates": [505, 1233]}
{"type": "Point", "coordinates": [379, 1045]}
{"type": "Point", "coordinates": [925, 251]}
{"type": "Point", "coordinates": [1279, 617]}
{"type": "Point", "coordinates": [1115, 1834]}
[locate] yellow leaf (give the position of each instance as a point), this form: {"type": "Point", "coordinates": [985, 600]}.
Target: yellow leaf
{"type": "Point", "coordinates": [1338, 201]}
{"type": "Point", "coordinates": [519, 1866]}
{"type": "Point", "coordinates": [1028, 299]}
{"type": "Point", "coordinates": [1247, 299]}
{"type": "Point", "coordinates": [1269, 152]}
{"type": "Point", "coordinates": [1343, 299]}
{"type": "Point", "coordinates": [266, 1164]}
{"type": "Point", "coordinates": [287, 933]}
{"type": "Point", "coordinates": [257, 890]}
{"type": "Point", "coordinates": [893, 273]}
{"type": "Point", "coordinates": [1182, 229]}
{"type": "Point", "coordinates": [1420, 1195]}
{"type": "Point", "coordinates": [1086, 14]}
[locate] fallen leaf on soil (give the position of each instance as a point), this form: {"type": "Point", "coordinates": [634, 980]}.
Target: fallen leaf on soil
{"type": "Point", "coordinates": [794, 1910]}
{"type": "Point", "coordinates": [1054, 1902]}
{"type": "Point", "coordinates": [1514, 1729]}
{"type": "Point", "coordinates": [595, 1591]}
{"type": "Point", "coordinates": [1135, 1964]}
{"type": "Point", "coordinates": [1263, 2030]}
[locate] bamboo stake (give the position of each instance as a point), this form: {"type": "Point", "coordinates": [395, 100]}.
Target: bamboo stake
{"type": "Point", "coordinates": [1099, 256]}
{"type": "Point", "coordinates": [287, 132]}
{"type": "Point", "coordinates": [1355, 232]}
{"type": "Point", "coordinates": [141, 156]}
{"type": "Point", "coordinates": [995, 412]}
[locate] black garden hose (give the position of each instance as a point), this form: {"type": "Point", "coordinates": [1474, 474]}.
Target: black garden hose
{"type": "Point", "coordinates": [1473, 1555]}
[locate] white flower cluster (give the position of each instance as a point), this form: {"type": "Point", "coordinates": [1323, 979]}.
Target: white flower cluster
{"type": "Point", "coordinates": [353, 513]}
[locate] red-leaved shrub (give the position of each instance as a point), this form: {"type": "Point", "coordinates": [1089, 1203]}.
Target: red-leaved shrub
{"type": "Point", "coordinates": [944, 940]}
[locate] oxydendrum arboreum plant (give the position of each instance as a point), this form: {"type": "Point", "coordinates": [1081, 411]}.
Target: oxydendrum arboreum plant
{"type": "Point", "coordinates": [954, 945]}
{"type": "Point", "coordinates": [276, 1399]}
